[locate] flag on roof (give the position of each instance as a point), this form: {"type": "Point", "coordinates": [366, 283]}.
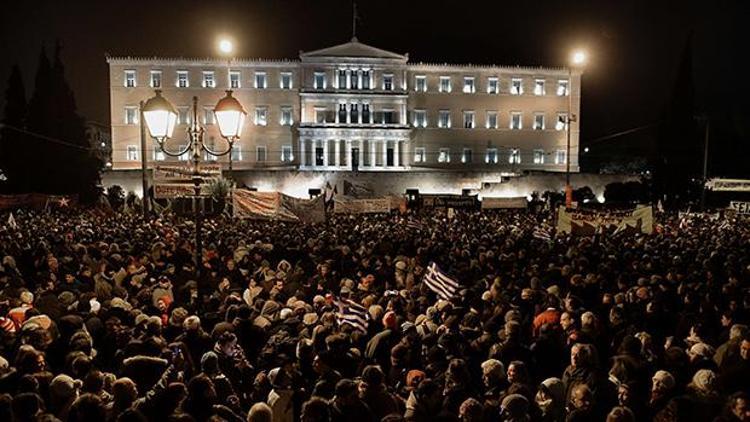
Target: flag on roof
{"type": "Point", "coordinates": [352, 313]}
{"type": "Point", "coordinates": [440, 283]}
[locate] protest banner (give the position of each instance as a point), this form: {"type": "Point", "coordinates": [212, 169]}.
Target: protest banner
{"type": "Point", "coordinates": [740, 207]}
{"type": "Point", "coordinates": [277, 206]}
{"type": "Point", "coordinates": [361, 206]}
{"type": "Point", "coordinates": [586, 222]}
{"type": "Point", "coordinates": [499, 203]}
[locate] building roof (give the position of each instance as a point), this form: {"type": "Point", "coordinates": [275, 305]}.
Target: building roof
{"type": "Point", "coordinates": [354, 48]}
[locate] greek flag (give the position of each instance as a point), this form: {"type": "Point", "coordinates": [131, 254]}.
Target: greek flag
{"type": "Point", "coordinates": [352, 313]}
{"type": "Point", "coordinates": [440, 283]}
{"type": "Point", "coordinates": [542, 234]}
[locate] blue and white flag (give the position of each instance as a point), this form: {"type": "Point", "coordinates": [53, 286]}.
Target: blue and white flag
{"type": "Point", "coordinates": [352, 313]}
{"type": "Point", "coordinates": [440, 283]}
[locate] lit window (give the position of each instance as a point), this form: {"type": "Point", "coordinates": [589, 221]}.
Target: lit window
{"type": "Point", "coordinates": [236, 154]}
{"type": "Point", "coordinates": [562, 87]}
{"type": "Point", "coordinates": [286, 153]}
{"type": "Point", "coordinates": [388, 82]}
{"type": "Point", "coordinates": [286, 116]}
{"type": "Point", "coordinates": [420, 156]}
{"type": "Point", "coordinates": [286, 80]}
{"type": "Point", "coordinates": [261, 116]}
{"type": "Point", "coordinates": [130, 78]}
{"type": "Point", "coordinates": [516, 121]}
{"type": "Point", "coordinates": [354, 79]}
{"type": "Point", "coordinates": [183, 115]}
{"type": "Point", "coordinates": [560, 156]}
{"type": "Point", "coordinates": [492, 120]}
{"type": "Point", "coordinates": [420, 118]}
{"type": "Point", "coordinates": [444, 119]}
{"type": "Point", "coordinates": [562, 121]}
{"type": "Point", "coordinates": [445, 84]}
{"type": "Point", "coordinates": [320, 80]}
{"type": "Point", "coordinates": [182, 79]}
{"type": "Point", "coordinates": [466, 156]}
{"type": "Point", "coordinates": [366, 79]}
{"type": "Point", "coordinates": [539, 87]}
{"type": "Point", "coordinates": [538, 156]}
{"type": "Point", "coordinates": [159, 154]}
{"type": "Point", "coordinates": [320, 115]}
{"type": "Point", "coordinates": [514, 156]}
{"type": "Point", "coordinates": [491, 156]}
{"type": "Point", "coordinates": [538, 121]}
{"type": "Point", "coordinates": [209, 80]}
{"type": "Point", "coordinates": [260, 154]}
{"type": "Point", "coordinates": [235, 80]}
{"type": "Point", "coordinates": [445, 155]}
{"type": "Point", "coordinates": [208, 116]}
{"type": "Point", "coordinates": [131, 115]}
{"type": "Point", "coordinates": [420, 83]}
{"type": "Point", "coordinates": [132, 153]}
{"type": "Point", "coordinates": [156, 79]}
{"type": "Point", "coordinates": [469, 87]}
{"type": "Point", "coordinates": [492, 85]}
{"type": "Point", "coordinates": [260, 80]}
{"type": "Point", "coordinates": [468, 120]}
{"type": "Point", "coordinates": [516, 86]}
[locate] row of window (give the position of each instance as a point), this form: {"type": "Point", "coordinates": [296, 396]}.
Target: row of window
{"type": "Point", "coordinates": [350, 79]}
{"type": "Point", "coordinates": [208, 80]}
{"type": "Point", "coordinates": [183, 116]}
{"type": "Point", "coordinates": [261, 154]}
{"type": "Point", "coordinates": [515, 86]}
{"type": "Point", "coordinates": [491, 120]}
{"type": "Point", "coordinates": [513, 156]}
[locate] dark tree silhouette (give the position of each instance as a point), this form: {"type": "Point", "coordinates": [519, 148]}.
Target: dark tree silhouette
{"type": "Point", "coordinates": [14, 120]}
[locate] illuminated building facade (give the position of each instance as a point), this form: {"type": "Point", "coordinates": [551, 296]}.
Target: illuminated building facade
{"type": "Point", "coordinates": [353, 107]}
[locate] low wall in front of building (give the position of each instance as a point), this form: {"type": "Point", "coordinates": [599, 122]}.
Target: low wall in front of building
{"type": "Point", "coordinates": [489, 184]}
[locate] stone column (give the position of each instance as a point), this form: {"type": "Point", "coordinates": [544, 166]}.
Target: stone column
{"type": "Point", "coordinates": [396, 158]}
{"type": "Point", "coordinates": [325, 152]}
{"type": "Point", "coordinates": [302, 152]}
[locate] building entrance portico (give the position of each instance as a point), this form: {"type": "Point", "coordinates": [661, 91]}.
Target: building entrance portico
{"type": "Point", "coordinates": [353, 149]}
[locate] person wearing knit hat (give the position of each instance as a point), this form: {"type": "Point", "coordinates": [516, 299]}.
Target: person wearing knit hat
{"type": "Point", "coordinates": [704, 382]}
{"type": "Point", "coordinates": [178, 316]}
{"type": "Point", "coordinates": [662, 386]}
{"type": "Point", "coordinates": [550, 399]}
{"type": "Point", "coordinates": [471, 410]}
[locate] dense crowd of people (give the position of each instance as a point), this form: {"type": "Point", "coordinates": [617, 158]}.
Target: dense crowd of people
{"type": "Point", "coordinates": [107, 318]}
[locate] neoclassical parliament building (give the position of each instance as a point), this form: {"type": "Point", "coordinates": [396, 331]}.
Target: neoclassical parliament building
{"type": "Point", "coordinates": [356, 108]}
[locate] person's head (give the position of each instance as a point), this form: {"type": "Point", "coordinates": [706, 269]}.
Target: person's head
{"type": "Point", "coordinates": [87, 408]}
{"type": "Point", "coordinates": [745, 348]}
{"type": "Point", "coordinates": [346, 392]}
{"type": "Point", "coordinates": [372, 377]}
{"type": "Point", "coordinates": [580, 355]}
{"type": "Point", "coordinates": [471, 410]}
{"type": "Point", "coordinates": [315, 410]}
{"type": "Point", "coordinates": [493, 372]}
{"type": "Point", "coordinates": [581, 397]}
{"type": "Point", "coordinates": [125, 392]}
{"type": "Point", "coordinates": [200, 389]}
{"type": "Point", "coordinates": [739, 405]}
{"type": "Point", "coordinates": [566, 320]}
{"type": "Point", "coordinates": [514, 407]}
{"type": "Point", "coordinates": [621, 414]}
{"type": "Point", "coordinates": [428, 392]}
{"type": "Point", "coordinates": [228, 343]}
{"type": "Point", "coordinates": [260, 412]}
{"type": "Point", "coordinates": [517, 372]}
{"type": "Point", "coordinates": [662, 382]}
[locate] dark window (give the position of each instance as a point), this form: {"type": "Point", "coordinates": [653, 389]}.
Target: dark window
{"type": "Point", "coordinates": [318, 156]}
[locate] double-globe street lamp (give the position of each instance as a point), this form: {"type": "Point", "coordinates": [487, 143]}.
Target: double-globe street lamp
{"type": "Point", "coordinates": [160, 117]}
{"type": "Point", "coordinates": [578, 60]}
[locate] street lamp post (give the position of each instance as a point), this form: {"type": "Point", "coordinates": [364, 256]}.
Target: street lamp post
{"type": "Point", "coordinates": [578, 59]}
{"type": "Point", "coordinates": [160, 117]}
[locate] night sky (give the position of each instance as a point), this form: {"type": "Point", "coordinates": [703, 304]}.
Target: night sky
{"type": "Point", "coordinates": [634, 46]}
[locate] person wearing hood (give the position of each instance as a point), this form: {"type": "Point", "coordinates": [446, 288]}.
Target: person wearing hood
{"type": "Point", "coordinates": [703, 395]}
{"type": "Point", "coordinates": [63, 391]}
{"type": "Point", "coordinates": [514, 408]}
{"type": "Point", "coordinates": [550, 400]}
{"type": "Point", "coordinates": [373, 392]}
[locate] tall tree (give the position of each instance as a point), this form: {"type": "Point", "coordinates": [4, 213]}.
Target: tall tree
{"type": "Point", "coordinates": [678, 153]}
{"type": "Point", "coordinates": [14, 118]}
